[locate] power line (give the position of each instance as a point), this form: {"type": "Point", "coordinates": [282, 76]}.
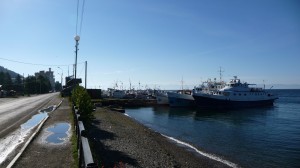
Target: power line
{"type": "Point", "coordinates": [82, 11]}
{"type": "Point", "coordinates": [51, 65]}
{"type": "Point", "coordinates": [77, 15]}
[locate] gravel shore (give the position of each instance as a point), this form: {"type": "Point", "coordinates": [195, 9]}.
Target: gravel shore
{"type": "Point", "coordinates": [118, 140]}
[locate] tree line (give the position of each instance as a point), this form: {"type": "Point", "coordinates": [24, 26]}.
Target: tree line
{"type": "Point", "coordinates": [29, 85]}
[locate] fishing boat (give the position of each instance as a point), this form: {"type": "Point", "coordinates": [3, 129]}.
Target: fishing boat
{"type": "Point", "coordinates": [162, 98]}
{"type": "Point", "coordinates": [234, 94]}
{"type": "Point", "coordinates": [181, 98]}
{"type": "Point", "coordinates": [209, 85]}
{"type": "Point", "coordinates": [115, 93]}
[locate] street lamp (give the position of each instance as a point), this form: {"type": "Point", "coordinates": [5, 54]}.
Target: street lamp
{"type": "Point", "coordinates": [61, 79]}
{"type": "Point", "coordinates": [76, 38]}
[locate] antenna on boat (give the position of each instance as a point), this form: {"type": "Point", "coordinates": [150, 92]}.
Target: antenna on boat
{"type": "Point", "coordinates": [221, 73]}
{"type": "Point", "coordinates": [139, 85]}
{"type": "Point", "coordinates": [182, 83]}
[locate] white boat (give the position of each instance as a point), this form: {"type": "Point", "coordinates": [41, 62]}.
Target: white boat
{"type": "Point", "coordinates": [182, 98]}
{"type": "Point", "coordinates": [210, 85]}
{"type": "Point", "coordinates": [114, 93]}
{"type": "Point", "coordinates": [162, 98]}
{"type": "Point", "coordinates": [234, 95]}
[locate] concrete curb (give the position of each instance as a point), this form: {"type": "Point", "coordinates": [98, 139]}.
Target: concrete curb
{"type": "Point", "coordinates": [30, 139]}
{"type": "Point", "coordinates": [59, 104]}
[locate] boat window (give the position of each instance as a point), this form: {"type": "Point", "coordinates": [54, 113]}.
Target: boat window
{"type": "Point", "coordinates": [240, 94]}
{"type": "Point", "coordinates": [245, 94]}
{"type": "Point", "coordinates": [226, 93]}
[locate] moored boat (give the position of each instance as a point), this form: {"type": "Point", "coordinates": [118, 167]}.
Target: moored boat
{"type": "Point", "coordinates": [234, 95]}
{"type": "Point", "coordinates": [182, 98]}
{"type": "Point", "coordinates": [162, 98]}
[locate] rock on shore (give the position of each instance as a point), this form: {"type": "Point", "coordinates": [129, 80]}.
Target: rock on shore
{"type": "Point", "coordinates": [118, 140]}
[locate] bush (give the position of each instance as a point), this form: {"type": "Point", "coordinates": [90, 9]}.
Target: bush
{"type": "Point", "coordinates": [82, 100]}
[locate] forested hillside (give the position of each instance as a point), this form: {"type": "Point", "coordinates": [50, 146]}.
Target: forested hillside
{"type": "Point", "coordinates": [11, 73]}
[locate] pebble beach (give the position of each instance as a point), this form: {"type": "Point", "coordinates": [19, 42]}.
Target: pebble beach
{"type": "Point", "coordinates": [120, 141]}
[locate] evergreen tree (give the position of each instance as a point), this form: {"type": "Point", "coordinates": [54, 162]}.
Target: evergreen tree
{"type": "Point", "coordinates": [18, 84]}
{"type": "Point", "coordinates": [2, 78]}
{"type": "Point", "coordinates": [8, 84]}
{"type": "Point", "coordinates": [83, 101]}
{"type": "Point", "coordinates": [43, 85]}
{"type": "Point", "coordinates": [30, 85]}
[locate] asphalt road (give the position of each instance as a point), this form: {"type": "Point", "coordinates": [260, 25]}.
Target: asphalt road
{"type": "Point", "coordinates": [15, 111]}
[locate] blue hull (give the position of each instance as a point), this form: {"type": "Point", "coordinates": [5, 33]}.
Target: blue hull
{"type": "Point", "coordinates": [177, 102]}
{"type": "Point", "coordinates": [205, 102]}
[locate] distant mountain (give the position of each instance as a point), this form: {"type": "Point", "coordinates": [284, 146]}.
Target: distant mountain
{"type": "Point", "coordinates": [11, 73]}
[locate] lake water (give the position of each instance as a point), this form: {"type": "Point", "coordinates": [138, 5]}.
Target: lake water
{"type": "Point", "coordinates": [256, 137]}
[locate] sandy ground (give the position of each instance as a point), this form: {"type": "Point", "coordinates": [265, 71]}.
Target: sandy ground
{"type": "Point", "coordinates": [118, 140]}
{"type": "Point", "coordinates": [41, 154]}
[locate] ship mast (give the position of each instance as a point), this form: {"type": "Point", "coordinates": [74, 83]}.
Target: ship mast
{"type": "Point", "coordinates": [182, 84]}
{"type": "Point", "coordinates": [221, 74]}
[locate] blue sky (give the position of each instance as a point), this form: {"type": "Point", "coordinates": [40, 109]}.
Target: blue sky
{"type": "Point", "coordinates": [157, 42]}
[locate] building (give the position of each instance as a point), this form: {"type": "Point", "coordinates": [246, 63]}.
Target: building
{"type": "Point", "coordinates": [49, 75]}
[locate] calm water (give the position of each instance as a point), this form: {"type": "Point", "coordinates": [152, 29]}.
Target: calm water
{"type": "Point", "coordinates": [260, 137]}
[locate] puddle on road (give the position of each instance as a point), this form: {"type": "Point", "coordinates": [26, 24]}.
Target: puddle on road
{"type": "Point", "coordinates": [10, 142]}
{"type": "Point", "coordinates": [48, 109]}
{"type": "Point", "coordinates": [58, 133]}
{"type": "Point", "coordinates": [34, 121]}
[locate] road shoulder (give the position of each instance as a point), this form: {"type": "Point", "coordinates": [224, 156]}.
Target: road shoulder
{"type": "Point", "coordinates": [42, 154]}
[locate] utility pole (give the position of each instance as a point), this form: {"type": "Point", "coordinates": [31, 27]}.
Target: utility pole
{"type": "Point", "coordinates": [77, 38]}
{"type": "Point", "coordinates": [73, 70]}
{"type": "Point", "coordinates": [23, 85]}
{"type": "Point", "coordinates": [85, 72]}
{"type": "Point", "coordinates": [40, 86]}
{"type": "Point", "coordinates": [35, 85]}
{"type": "Point", "coordinates": [61, 78]}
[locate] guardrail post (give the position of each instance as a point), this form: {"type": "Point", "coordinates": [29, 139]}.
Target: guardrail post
{"type": "Point", "coordinates": [84, 152]}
